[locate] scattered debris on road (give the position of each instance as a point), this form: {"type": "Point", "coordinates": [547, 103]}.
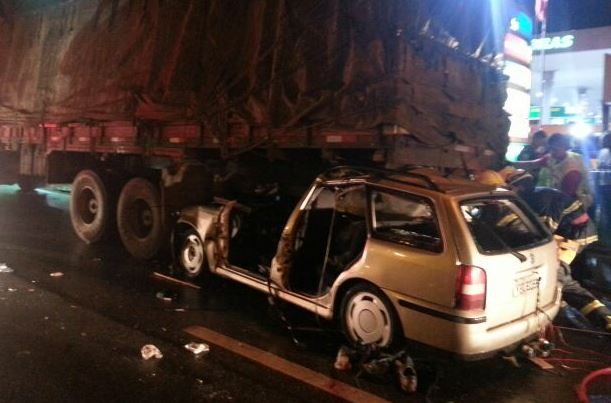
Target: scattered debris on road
{"type": "Point", "coordinates": [12, 289]}
{"type": "Point", "coordinates": [342, 361]}
{"type": "Point", "coordinates": [5, 269]}
{"type": "Point", "coordinates": [150, 351]}
{"type": "Point", "coordinates": [166, 296]}
{"type": "Point", "coordinates": [197, 348]}
{"type": "Point", "coordinates": [373, 361]}
{"type": "Point", "coordinates": [56, 274]}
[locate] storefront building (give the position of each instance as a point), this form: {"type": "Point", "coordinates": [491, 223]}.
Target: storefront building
{"type": "Point", "coordinates": [571, 82]}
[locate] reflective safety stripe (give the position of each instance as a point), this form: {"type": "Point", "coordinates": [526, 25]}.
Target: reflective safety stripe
{"type": "Point", "coordinates": [549, 222]}
{"type": "Point", "coordinates": [573, 207]}
{"type": "Point", "coordinates": [587, 240]}
{"type": "Point", "coordinates": [592, 306]}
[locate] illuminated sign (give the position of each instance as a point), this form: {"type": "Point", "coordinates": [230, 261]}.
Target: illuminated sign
{"type": "Point", "coordinates": [522, 25]}
{"type": "Point", "coordinates": [553, 42]}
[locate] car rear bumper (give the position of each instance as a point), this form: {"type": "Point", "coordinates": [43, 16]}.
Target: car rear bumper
{"type": "Point", "coordinates": [469, 338]}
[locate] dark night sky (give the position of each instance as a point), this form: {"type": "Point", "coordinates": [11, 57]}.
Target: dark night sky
{"type": "Point", "coordinates": [564, 15]}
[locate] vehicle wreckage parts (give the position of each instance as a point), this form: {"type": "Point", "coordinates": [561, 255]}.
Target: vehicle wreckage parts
{"type": "Point", "coordinates": [139, 218]}
{"type": "Point", "coordinates": [191, 253]}
{"type": "Point", "coordinates": [90, 208]}
{"type": "Point", "coordinates": [368, 317]}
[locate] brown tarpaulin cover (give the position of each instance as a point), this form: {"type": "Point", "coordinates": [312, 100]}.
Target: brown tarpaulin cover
{"type": "Point", "coordinates": [280, 63]}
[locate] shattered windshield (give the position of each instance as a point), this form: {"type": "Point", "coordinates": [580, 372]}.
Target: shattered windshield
{"type": "Point", "coordinates": [500, 225]}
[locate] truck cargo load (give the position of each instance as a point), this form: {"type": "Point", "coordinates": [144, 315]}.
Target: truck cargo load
{"type": "Point", "coordinates": [127, 89]}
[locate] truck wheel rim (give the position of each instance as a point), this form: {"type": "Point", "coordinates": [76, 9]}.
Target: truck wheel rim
{"type": "Point", "coordinates": [143, 219]}
{"type": "Point", "coordinates": [192, 254]}
{"type": "Point", "coordinates": [87, 205]}
{"type": "Point", "coordinates": [368, 320]}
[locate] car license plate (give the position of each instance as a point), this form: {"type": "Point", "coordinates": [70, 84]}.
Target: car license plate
{"type": "Point", "coordinates": [525, 284]}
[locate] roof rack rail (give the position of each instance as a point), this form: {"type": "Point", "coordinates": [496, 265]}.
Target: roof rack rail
{"type": "Point", "coordinates": [342, 171]}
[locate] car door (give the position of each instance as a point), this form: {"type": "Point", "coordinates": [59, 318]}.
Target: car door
{"type": "Point", "coordinates": [324, 237]}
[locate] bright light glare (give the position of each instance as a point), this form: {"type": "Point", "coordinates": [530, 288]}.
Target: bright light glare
{"type": "Point", "coordinates": [581, 129]}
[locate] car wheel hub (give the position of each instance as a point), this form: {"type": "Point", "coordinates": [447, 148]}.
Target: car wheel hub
{"type": "Point", "coordinates": [192, 255]}
{"type": "Point", "coordinates": [368, 320]}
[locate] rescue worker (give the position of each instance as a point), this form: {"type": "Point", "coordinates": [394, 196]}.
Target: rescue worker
{"type": "Point", "coordinates": [567, 219]}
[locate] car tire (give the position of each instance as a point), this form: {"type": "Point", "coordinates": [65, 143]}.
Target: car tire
{"type": "Point", "coordinates": [89, 207]}
{"type": "Point", "coordinates": [191, 254]}
{"type": "Point", "coordinates": [139, 218]}
{"type": "Point", "coordinates": [368, 317]}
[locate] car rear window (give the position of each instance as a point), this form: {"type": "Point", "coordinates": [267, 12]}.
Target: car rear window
{"type": "Point", "coordinates": [406, 220]}
{"type": "Point", "coordinates": [501, 224]}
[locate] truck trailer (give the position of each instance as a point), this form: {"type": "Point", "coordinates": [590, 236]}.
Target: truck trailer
{"type": "Point", "coordinates": [149, 106]}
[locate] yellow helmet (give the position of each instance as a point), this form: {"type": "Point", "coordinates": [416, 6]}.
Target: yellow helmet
{"type": "Point", "coordinates": [490, 178]}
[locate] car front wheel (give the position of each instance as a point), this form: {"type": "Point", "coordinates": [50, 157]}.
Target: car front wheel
{"type": "Point", "coordinates": [368, 317]}
{"type": "Point", "coordinates": [191, 254]}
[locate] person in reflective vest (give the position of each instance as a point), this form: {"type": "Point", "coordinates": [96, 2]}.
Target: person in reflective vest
{"type": "Point", "coordinates": [566, 218]}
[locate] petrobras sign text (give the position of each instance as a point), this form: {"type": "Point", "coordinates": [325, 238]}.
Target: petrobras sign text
{"type": "Point", "coordinates": [553, 42]}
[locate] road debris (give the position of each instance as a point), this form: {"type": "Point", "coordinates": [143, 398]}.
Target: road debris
{"type": "Point", "coordinates": [150, 351]}
{"type": "Point", "coordinates": [166, 296]}
{"type": "Point", "coordinates": [373, 361]}
{"type": "Point", "coordinates": [342, 361]}
{"type": "Point", "coordinates": [5, 269]}
{"type": "Point", "coordinates": [12, 289]}
{"type": "Point", "coordinates": [56, 274]}
{"type": "Point", "coordinates": [197, 348]}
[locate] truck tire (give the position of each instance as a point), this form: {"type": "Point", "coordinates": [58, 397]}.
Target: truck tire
{"type": "Point", "coordinates": [89, 207]}
{"type": "Point", "coordinates": [139, 218]}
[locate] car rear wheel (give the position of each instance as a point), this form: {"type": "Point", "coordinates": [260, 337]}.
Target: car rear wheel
{"type": "Point", "coordinates": [191, 254]}
{"type": "Point", "coordinates": [368, 317]}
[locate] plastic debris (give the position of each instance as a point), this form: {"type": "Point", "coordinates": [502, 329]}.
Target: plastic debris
{"type": "Point", "coordinates": [5, 269]}
{"type": "Point", "coordinates": [56, 274]}
{"type": "Point", "coordinates": [342, 361]}
{"type": "Point", "coordinates": [150, 351]}
{"type": "Point", "coordinates": [197, 348]}
{"type": "Point", "coordinates": [12, 289]}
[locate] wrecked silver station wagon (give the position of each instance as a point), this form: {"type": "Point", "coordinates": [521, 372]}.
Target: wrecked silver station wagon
{"type": "Point", "coordinates": [390, 256]}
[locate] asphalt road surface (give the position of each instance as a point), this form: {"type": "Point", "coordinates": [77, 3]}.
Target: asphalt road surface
{"type": "Point", "coordinates": [75, 317]}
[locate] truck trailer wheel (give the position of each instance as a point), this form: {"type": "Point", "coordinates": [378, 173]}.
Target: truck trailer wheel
{"type": "Point", "coordinates": [89, 206]}
{"type": "Point", "coordinates": [139, 218]}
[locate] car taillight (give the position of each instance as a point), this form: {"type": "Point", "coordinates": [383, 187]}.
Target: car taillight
{"type": "Point", "coordinates": [470, 287]}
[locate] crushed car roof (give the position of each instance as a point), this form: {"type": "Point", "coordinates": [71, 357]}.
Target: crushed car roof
{"type": "Point", "coordinates": [427, 178]}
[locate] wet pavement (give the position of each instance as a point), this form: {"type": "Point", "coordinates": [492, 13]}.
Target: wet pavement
{"type": "Point", "coordinates": [77, 336]}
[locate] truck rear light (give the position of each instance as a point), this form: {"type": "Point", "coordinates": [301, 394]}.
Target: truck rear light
{"type": "Point", "coordinates": [470, 288]}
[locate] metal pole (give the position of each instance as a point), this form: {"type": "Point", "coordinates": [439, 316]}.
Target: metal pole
{"type": "Point", "coordinates": [544, 110]}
